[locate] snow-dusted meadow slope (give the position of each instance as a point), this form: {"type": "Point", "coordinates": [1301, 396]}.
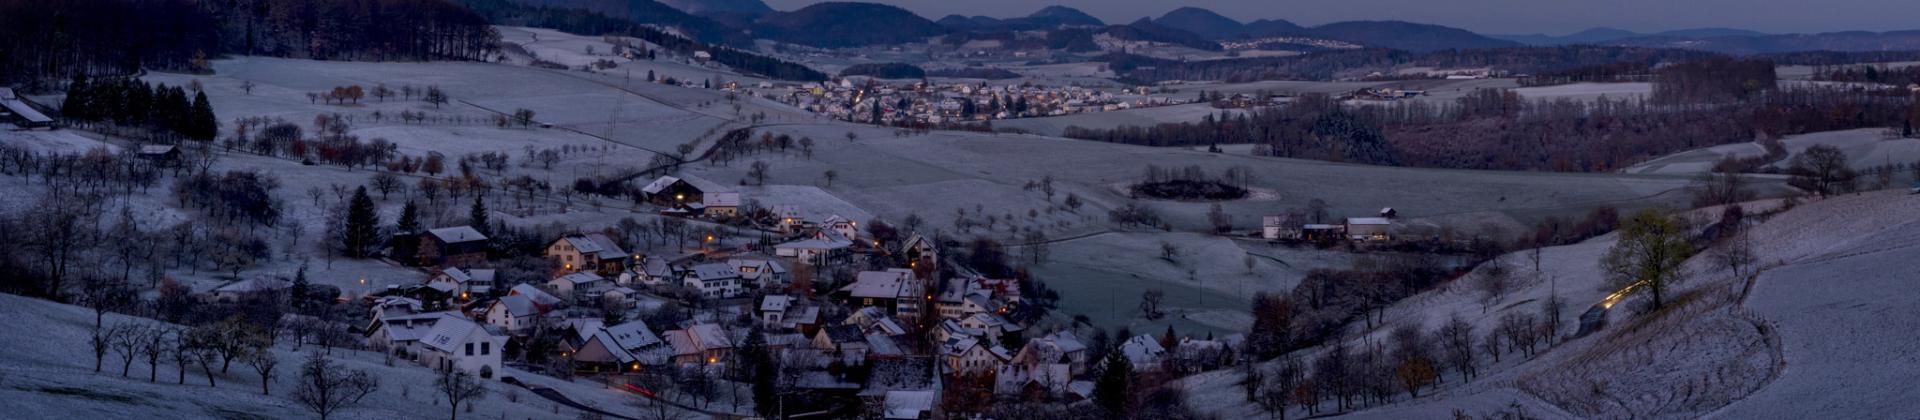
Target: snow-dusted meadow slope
{"type": "Point", "coordinates": [1820, 332]}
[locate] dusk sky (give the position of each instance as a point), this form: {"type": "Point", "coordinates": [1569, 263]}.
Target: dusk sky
{"type": "Point", "coordinates": [1555, 17]}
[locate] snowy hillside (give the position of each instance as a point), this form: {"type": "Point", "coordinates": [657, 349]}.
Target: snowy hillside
{"type": "Point", "coordinates": [49, 375]}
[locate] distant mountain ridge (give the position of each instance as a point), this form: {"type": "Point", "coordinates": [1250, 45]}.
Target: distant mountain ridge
{"type": "Point", "coordinates": [712, 7]}
{"type": "Point", "coordinates": [1605, 34]}
{"type": "Point", "coordinates": [1049, 17]}
{"type": "Point", "coordinates": [1409, 36]}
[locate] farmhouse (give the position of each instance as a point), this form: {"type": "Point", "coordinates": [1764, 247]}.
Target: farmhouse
{"type": "Point", "coordinates": [164, 155]}
{"type": "Point", "coordinates": [676, 192]}
{"type": "Point", "coordinates": [1369, 228]}
{"type": "Point", "coordinates": [1279, 227]}
{"type": "Point", "coordinates": [720, 205]}
{"type": "Point", "coordinates": [760, 272]}
{"type": "Point", "coordinates": [459, 246]}
{"type": "Point", "coordinates": [15, 109]}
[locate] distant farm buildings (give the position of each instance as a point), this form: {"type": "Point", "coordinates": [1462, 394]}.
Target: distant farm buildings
{"type": "Point", "coordinates": [15, 110]}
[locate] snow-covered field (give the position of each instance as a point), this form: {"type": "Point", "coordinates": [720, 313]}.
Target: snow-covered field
{"type": "Point", "coordinates": [1053, 126]}
{"type": "Point", "coordinates": [1822, 332]}
{"type": "Point", "coordinates": [1588, 91]}
{"type": "Point", "coordinates": [1866, 147]}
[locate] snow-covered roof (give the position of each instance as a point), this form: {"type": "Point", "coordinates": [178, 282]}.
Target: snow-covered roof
{"type": "Point", "coordinates": [659, 184]}
{"type": "Point", "coordinates": [256, 284]}
{"type": "Point", "coordinates": [449, 333]}
{"type": "Point", "coordinates": [579, 278]}
{"type": "Point", "coordinates": [775, 303]}
{"type": "Point", "coordinates": [1143, 349]}
{"type": "Point", "coordinates": [18, 107]}
{"type": "Point", "coordinates": [878, 284]}
{"type": "Point", "coordinates": [721, 199]}
{"type": "Point", "coordinates": [714, 271]}
{"type": "Point", "coordinates": [518, 305]}
{"type": "Point", "coordinates": [534, 294]}
{"type": "Point", "coordinates": [596, 244]}
{"type": "Point", "coordinates": [457, 234]}
{"type": "Point", "coordinates": [1369, 221]}
{"type": "Point", "coordinates": [633, 335]}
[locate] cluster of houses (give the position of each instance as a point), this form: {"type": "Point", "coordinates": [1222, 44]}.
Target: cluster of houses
{"type": "Point", "coordinates": [1293, 227]}
{"type": "Point", "coordinates": [930, 103]}
{"type": "Point", "coordinates": [906, 321]}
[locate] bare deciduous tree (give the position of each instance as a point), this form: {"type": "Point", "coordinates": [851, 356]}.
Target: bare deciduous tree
{"type": "Point", "coordinates": [326, 388]}
{"type": "Point", "coordinates": [458, 386]}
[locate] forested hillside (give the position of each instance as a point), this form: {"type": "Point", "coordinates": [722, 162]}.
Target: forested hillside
{"type": "Point", "coordinates": [48, 40]}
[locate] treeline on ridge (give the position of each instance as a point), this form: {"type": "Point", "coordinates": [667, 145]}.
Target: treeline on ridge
{"type": "Point", "coordinates": [1495, 129]}
{"type": "Point", "coordinates": [47, 41]}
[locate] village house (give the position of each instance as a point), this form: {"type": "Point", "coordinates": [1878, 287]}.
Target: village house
{"type": "Point", "coordinates": [456, 344]}
{"type": "Point", "coordinates": [820, 250]}
{"type": "Point", "coordinates": [714, 280]}
{"type": "Point", "coordinates": [721, 205]}
{"type": "Point", "coordinates": [590, 252]}
{"type": "Point", "coordinates": [699, 344]}
{"type": "Point", "coordinates": [464, 285]}
{"type": "Point", "coordinates": [759, 272]}
{"type": "Point", "coordinates": [1144, 352]}
{"type": "Point", "coordinates": [969, 356]}
{"type": "Point", "coordinates": [396, 329]}
{"type": "Point", "coordinates": [579, 287]}
{"type": "Point", "coordinates": [991, 327]}
{"type": "Point", "coordinates": [520, 311]}
{"type": "Point", "coordinates": [920, 251]}
{"type": "Point", "coordinates": [459, 246]}
{"type": "Point", "coordinates": [844, 341]}
{"type": "Point", "coordinates": [791, 218]}
{"type": "Point", "coordinates": [651, 271]}
{"type": "Point", "coordinates": [1037, 382]}
{"type": "Point", "coordinates": [1059, 347]}
{"type": "Point", "coordinates": [897, 291]}
{"type": "Point", "coordinates": [624, 347]}
{"type": "Point", "coordinates": [845, 228]}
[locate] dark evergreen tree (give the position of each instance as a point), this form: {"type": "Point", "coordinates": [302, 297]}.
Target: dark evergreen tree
{"type": "Point", "coordinates": [203, 125]}
{"type": "Point", "coordinates": [363, 225]}
{"type": "Point", "coordinates": [301, 290]}
{"type": "Point", "coordinates": [758, 367]}
{"type": "Point", "coordinates": [1114, 389]}
{"type": "Point", "coordinates": [75, 106]}
{"type": "Point", "coordinates": [477, 215]}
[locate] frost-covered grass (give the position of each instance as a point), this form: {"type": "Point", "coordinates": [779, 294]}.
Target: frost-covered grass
{"type": "Point", "coordinates": [1866, 147]}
